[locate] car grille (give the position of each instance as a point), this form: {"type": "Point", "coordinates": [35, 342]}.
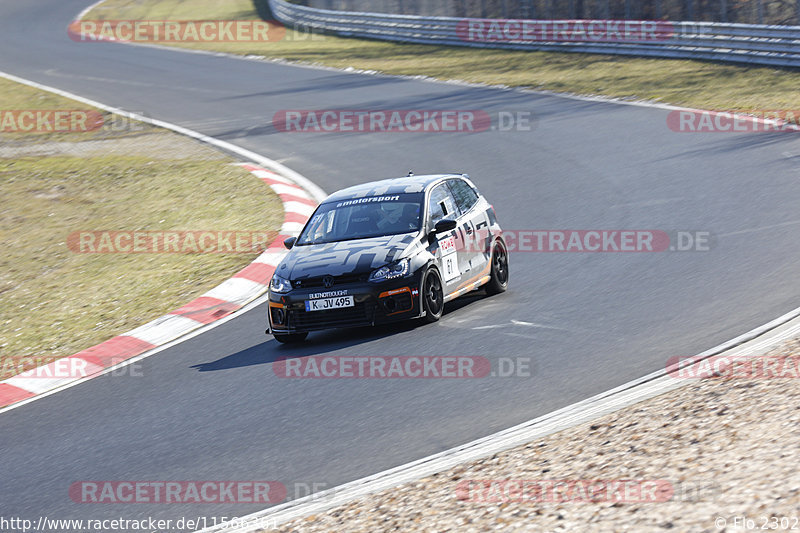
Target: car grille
{"type": "Point", "coordinates": [360, 315]}
{"type": "Point", "coordinates": [311, 283]}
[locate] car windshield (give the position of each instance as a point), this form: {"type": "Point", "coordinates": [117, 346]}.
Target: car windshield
{"type": "Point", "coordinates": [362, 218]}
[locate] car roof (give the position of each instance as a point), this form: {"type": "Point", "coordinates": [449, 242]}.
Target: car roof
{"type": "Point", "coordinates": [408, 184]}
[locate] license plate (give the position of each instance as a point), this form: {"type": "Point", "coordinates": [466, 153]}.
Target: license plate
{"type": "Point", "coordinates": [329, 303]}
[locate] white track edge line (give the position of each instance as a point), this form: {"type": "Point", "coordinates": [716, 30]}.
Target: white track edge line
{"type": "Point", "coordinates": [87, 9]}
{"type": "Point", "coordinates": [630, 393]}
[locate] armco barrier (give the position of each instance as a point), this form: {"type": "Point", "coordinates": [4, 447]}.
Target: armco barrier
{"type": "Point", "coordinates": [737, 43]}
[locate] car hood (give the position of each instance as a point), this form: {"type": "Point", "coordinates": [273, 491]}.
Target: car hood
{"type": "Point", "coordinates": [345, 257]}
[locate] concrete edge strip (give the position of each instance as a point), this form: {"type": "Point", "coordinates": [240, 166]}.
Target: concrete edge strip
{"type": "Point", "coordinates": [749, 344]}
{"type": "Point", "coordinates": [299, 197]}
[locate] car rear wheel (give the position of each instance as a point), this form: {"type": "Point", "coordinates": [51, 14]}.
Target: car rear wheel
{"type": "Point", "coordinates": [288, 338]}
{"type": "Point", "coordinates": [499, 280]}
{"type": "Point", "coordinates": [432, 296]}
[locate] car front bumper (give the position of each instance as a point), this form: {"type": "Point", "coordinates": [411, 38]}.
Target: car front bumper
{"type": "Point", "coordinates": [375, 303]}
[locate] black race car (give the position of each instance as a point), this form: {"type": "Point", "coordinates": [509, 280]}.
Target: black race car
{"type": "Point", "coordinates": [385, 251]}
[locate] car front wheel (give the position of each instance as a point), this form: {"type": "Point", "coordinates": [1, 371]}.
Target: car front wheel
{"type": "Point", "coordinates": [499, 280]}
{"type": "Point", "coordinates": [432, 296]}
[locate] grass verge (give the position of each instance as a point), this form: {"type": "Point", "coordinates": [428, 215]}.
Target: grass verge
{"type": "Point", "coordinates": [690, 83]}
{"type": "Point", "coordinates": [55, 302]}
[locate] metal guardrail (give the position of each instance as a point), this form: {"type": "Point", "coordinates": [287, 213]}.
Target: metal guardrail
{"type": "Point", "coordinates": [776, 12]}
{"type": "Point", "coordinates": [736, 43]}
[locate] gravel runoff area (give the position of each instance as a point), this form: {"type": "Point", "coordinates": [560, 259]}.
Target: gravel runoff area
{"type": "Point", "coordinates": [718, 454]}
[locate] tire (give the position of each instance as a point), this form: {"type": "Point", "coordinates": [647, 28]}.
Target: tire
{"type": "Point", "coordinates": [432, 296]}
{"type": "Point", "coordinates": [290, 338]}
{"type": "Point", "coordinates": [499, 280]}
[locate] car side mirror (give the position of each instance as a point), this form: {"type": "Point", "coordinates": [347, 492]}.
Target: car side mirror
{"type": "Point", "coordinates": [289, 243]}
{"type": "Point", "coordinates": [445, 225]}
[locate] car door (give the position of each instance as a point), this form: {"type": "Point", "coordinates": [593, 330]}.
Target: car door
{"type": "Point", "coordinates": [474, 222]}
{"type": "Point", "coordinates": [454, 262]}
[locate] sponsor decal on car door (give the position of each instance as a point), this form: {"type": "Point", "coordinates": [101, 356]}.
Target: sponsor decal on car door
{"type": "Point", "coordinates": [473, 224]}
{"type": "Point", "coordinates": [450, 269]}
{"type": "Point", "coordinates": [453, 259]}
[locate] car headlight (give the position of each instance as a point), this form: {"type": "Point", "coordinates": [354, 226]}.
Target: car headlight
{"type": "Point", "coordinates": [279, 284]}
{"type": "Point", "coordinates": [398, 269]}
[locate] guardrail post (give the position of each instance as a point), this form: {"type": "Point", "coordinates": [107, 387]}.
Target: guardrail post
{"type": "Point", "coordinates": [797, 8]}
{"type": "Point", "coordinates": [723, 10]}
{"type": "Point", "coordinates": [760, 11]}
{"type": "Point", "coordinates": [659, 12]}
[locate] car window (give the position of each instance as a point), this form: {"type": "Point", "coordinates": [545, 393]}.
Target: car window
{"type": "Point", "coordinates": [363, 218]}
{"type": "Point", "coordinates": [465, 196]}
{"type": "Point", "coordinates": [321, 225]}
{"type": "Point", "coordinates": [441, 205]}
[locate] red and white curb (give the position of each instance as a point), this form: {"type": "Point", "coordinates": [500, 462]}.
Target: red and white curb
{"type": "Point", "coordinates": [228, 297]}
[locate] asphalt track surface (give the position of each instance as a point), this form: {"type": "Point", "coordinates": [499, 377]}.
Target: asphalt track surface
{"type": "Point", "coordinates": [212, 408]}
